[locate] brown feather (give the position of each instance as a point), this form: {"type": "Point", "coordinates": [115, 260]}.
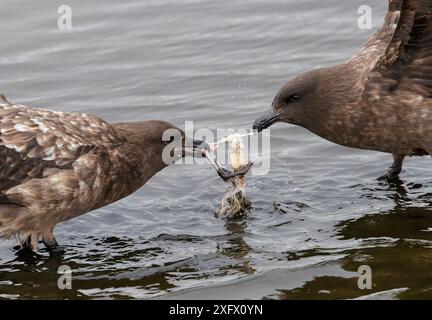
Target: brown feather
{"type": "Point", "coordinates": [55, 166]}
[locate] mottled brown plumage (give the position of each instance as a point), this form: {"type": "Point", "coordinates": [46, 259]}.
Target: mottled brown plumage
{"type": "Point", "coordinates": [381, 99]}
{"type": "Point", "coordinates": [55, 166]}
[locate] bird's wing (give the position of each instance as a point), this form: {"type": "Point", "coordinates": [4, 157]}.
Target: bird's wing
{"type": "Point", "coordinates": [37, 143]}
{"type": "Point", "coordinates": [401, 51]}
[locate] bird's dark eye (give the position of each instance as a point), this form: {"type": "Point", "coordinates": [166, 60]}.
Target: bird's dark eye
{"type": "Point", "coordinates": [293, 98]}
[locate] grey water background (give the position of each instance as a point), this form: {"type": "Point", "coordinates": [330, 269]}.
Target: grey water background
{"type": "Point", "coordinates": [319, 214]}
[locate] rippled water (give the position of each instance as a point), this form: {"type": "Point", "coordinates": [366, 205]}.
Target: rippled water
{"type": "Point", "coordinates": [218, 63]}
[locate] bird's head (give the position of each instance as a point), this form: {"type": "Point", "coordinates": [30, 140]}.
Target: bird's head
{"type": "Point", "coordinates": [297, 102]}
{"type": "Point", "coordinates": [165, 139]}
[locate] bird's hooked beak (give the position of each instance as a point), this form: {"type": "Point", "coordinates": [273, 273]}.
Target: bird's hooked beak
{"type": "Point", "coordinates": [192, 148]}
{"type": "Point", "coordinates": [199, 147]}
{"type": "Point", "coordinates": [266, 120]}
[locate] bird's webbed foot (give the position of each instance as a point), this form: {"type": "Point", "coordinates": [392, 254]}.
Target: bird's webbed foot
{"type": "Point", "coordinates": [53, 246]}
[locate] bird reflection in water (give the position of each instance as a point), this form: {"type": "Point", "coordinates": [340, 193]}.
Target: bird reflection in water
{"type": "Point", "coordinates": [236, 247]}
{"type": "Point", "coordinates": [394, 242]}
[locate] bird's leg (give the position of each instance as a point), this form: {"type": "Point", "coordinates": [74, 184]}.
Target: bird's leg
{"type": "Point", "coordinates": [30, 241]}
{"type": "Point", "coordinates": [394, 170]}
{"type": "Point", "coordinates": [26, 243]}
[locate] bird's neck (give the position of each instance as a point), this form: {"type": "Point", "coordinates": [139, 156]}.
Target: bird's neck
{"type": "Point", "coordinates": [134, 162]}
{"type": "Point", "coordinates": [347, 117]}
{"type": "Point", "coordinates": [340, 111]}
{"type": "Point", "coordinates": [144, 153]}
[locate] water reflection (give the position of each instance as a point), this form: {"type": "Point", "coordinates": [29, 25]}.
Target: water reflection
{"type": "Point", "coordinates": [394, 240]}
{"type": "Point", "coordinates": [236, 247]}
{"type": "Point", "coordinates": [396, 243]}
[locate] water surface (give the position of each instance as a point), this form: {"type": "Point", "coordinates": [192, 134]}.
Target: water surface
{"type": "Point", "coordinates": [218, 63]}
